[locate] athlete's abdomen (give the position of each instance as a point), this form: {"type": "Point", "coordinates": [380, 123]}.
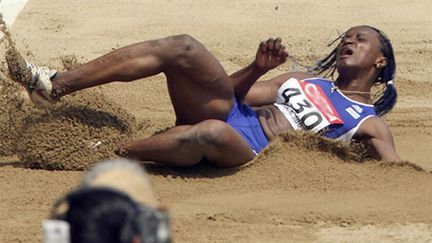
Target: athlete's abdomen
{"type": "Point", "coordinates": [272, 121]}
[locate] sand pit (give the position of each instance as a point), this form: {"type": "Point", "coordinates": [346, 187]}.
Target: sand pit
{"type": "Point", "coordinates": [74, 135]}
{"type": "Point", "coordinates": [10, 101]}
{"type": "Point", "coordinates": [288, 193]}
{"type": "Point", "coordinates": [15, 105]}
{"type": "Point", "coordinates": [10, 115]}
{"type": "Point", "coordinates": [70, 135]}
{"type": "Point", "coordinates": [300, 194]}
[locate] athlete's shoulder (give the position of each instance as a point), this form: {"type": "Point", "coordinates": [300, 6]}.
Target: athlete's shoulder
{"type": "Point", "coordinates": [298, 75]}
{"type": "Point", "coordinates": [318, 79]}
{"type": "Point", "coordinates": [279, 80]}
{"type": "Point", "coordinates": [302, 77]}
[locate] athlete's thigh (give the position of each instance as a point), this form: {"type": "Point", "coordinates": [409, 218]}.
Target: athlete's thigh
{"type": "Point", "coordinates": [193, 104]}
{"type": "Point", "coordinates": [198, 85]}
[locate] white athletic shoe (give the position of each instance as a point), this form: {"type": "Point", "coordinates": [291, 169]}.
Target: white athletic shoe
{"type": "Point", "coordinates": [40, 86]}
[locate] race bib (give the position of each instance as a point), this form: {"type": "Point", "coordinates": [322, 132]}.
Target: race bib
{"type": "Point", "coordinates": [306, 106]}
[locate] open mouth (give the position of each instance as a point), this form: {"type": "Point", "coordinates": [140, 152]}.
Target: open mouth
{"type": "Point", "coordinates": [346, 52]}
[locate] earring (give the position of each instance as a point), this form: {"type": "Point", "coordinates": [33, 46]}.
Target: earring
{"type": "Point", "coordinates": [379, 65]}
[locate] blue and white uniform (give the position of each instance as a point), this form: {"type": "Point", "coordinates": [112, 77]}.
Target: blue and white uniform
{"type": "Point", "coordinates": [245, 121]}
{"type": "Point", "coordinates": [313, 105]}
{"type": "Point", "coordinates": [317, 105]}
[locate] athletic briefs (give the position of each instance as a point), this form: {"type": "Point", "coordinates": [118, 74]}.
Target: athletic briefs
{"type": "Point", "coordinates": [245, 121]}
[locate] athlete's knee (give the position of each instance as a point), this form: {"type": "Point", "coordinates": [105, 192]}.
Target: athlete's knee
{"type": "Point", "coordinates": [184, 50]}
{"type": "Point", "coordinates": [212, 133]}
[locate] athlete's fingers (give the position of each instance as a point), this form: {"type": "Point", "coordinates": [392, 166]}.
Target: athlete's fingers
{"type": "Point", "coordinates": [263, 46]}
{"type": "Point", "coordinates": [284, 57]}
{"type": "Point", "coordinates": [270, 44]}
{"type": "Point", "coordinates": [277, 44]}
{"type": "Point", "coordinates": [281, 50]}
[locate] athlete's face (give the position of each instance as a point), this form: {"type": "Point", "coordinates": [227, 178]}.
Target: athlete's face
{"type": "Point", "coordinates": [359, 49]}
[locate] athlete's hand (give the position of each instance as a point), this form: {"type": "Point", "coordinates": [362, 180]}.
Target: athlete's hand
{"type": "Point", "coordinates": [270, 54]}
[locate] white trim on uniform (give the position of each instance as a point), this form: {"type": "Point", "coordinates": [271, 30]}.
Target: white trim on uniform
{"type": "Point", "coordinates": [357, 102]}
{"type": "Point", "coordinates": [348, 135]}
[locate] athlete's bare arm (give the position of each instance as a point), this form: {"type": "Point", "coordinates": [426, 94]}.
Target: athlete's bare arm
{"type": "Point", "coordinates": [378, 133]}
{"type": "Point", "coordinates": [270, 54]}
{"type": "Point", "coordinates": [264, 92]}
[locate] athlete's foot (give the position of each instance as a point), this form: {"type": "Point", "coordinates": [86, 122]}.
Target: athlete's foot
{"type": "Point", "coordinates": [37, 81]}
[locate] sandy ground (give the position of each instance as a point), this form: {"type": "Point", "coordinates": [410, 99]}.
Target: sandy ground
{"type": "Point", "coordinates": [288, 193]}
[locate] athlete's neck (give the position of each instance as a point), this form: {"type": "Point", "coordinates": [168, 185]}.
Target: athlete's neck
{"type": "Point", "coordinates": [361, 96]}
{"type": "Point", "coordinates": [355, 89]}
{"type": "Point", "coordinates": [356, 80]}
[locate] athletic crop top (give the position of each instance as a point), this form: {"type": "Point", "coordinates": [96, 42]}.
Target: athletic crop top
{"type": "Point", "coordinates": [316, 105]}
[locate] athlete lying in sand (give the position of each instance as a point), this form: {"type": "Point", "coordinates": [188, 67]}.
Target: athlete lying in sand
{"type": "Point", "coordinates": [215, 120]}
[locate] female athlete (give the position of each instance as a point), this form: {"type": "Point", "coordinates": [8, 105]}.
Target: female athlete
{"type": "Point", "coordinates": [228, 119]}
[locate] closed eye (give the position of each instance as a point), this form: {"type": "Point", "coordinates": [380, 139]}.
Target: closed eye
{"type": "Point", "coordinates": [361, 37]}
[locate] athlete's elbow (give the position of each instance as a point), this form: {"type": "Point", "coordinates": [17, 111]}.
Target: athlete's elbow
{"type": "Point", "coordinates": [390, 157]}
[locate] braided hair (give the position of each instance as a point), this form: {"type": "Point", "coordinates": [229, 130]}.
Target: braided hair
{"type": "Point", "coordinates": [385, 98]}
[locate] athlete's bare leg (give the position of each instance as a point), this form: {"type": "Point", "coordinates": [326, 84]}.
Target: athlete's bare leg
{"type": "Point", "coordinates": [199, 87]}
{"type": "Point", "coordinates": [187, 145]}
